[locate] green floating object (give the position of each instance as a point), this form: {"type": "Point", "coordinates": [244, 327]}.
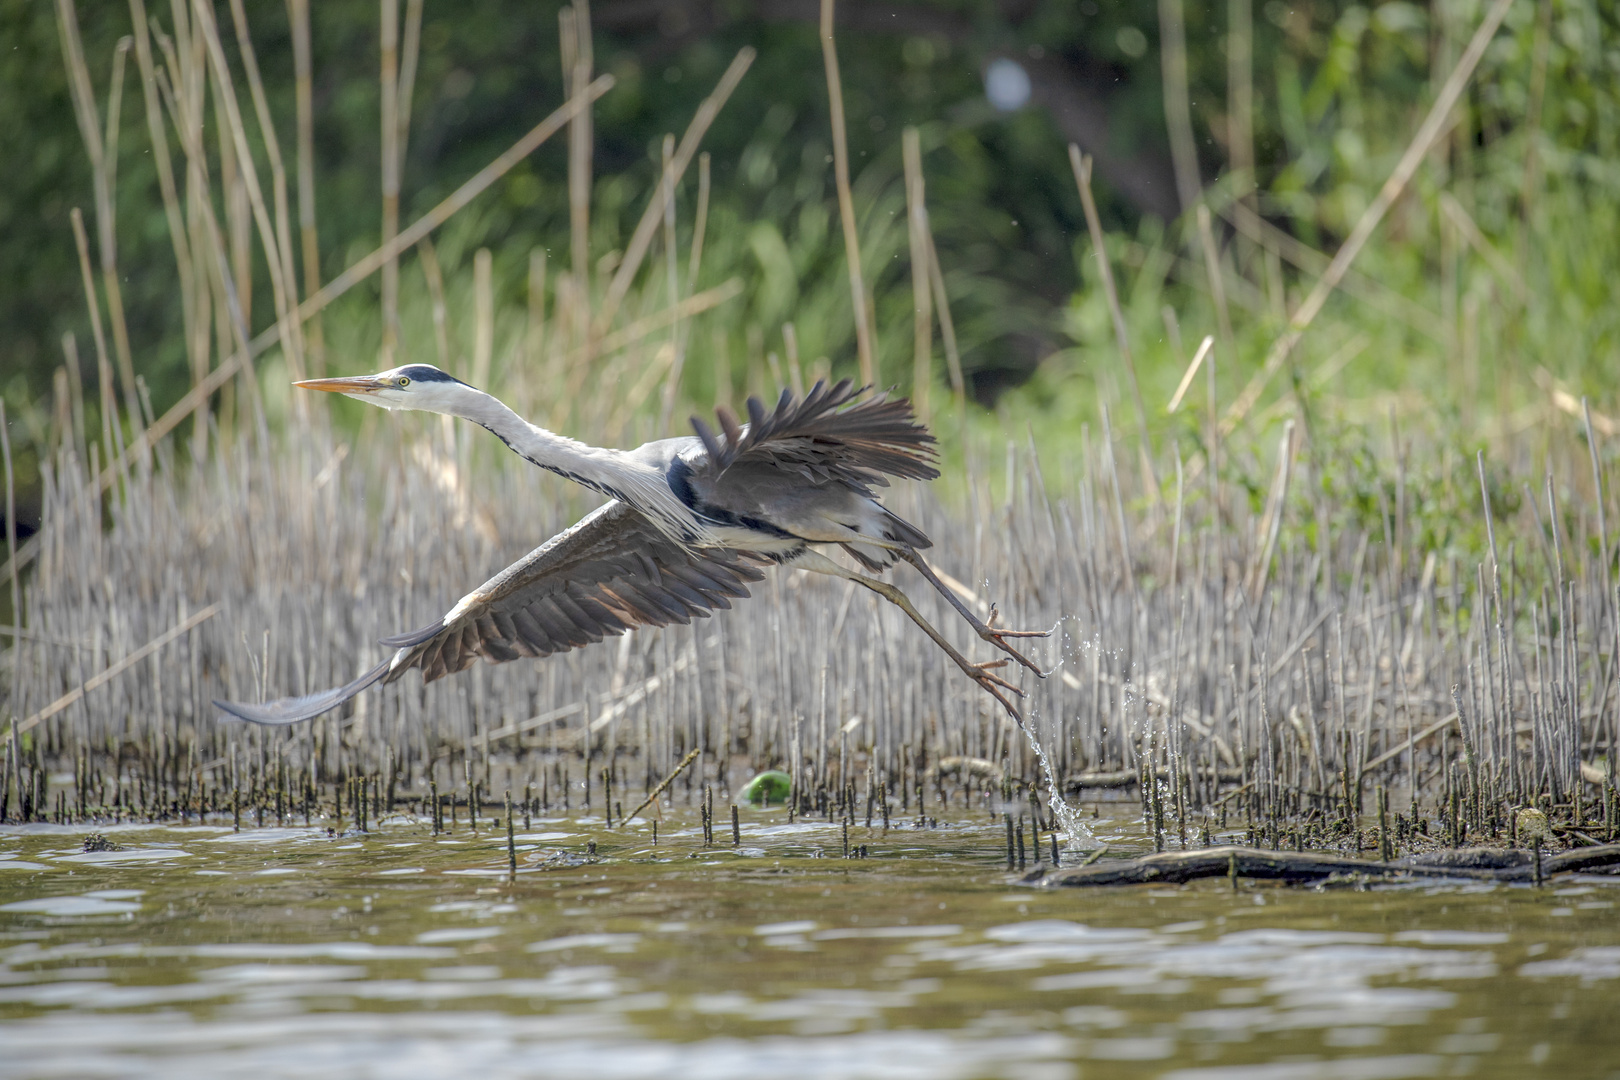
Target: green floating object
{"type": "Point", "coordinates": [768, 788]}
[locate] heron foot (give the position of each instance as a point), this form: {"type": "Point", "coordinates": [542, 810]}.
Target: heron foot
{"type": "Point", "coordinates": [981, 674]}
{"type": "Point", "coordinates": [988, 631]}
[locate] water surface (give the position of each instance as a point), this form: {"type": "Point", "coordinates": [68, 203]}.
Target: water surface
{"type": "Point", "coordinates": [290, 952]}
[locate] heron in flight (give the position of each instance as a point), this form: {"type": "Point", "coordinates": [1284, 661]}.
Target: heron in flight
{"type": "Point", "coordinates": [691, 522]}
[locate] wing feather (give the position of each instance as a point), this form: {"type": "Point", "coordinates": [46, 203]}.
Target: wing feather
{"type": "Point", "coordinates": [612, 572]}
{"type": "Point", "coordinates": [828, 435]}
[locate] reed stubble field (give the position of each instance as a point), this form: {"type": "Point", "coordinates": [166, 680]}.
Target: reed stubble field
{"type": "Point", "coordinates": [1253, 660]}
{"type": "Point", "coordinates": [1264, 682]}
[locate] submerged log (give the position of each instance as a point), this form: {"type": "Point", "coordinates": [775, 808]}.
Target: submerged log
{"type": "Point", "coordinates": [1123, 778]}
{"type": "Point", "coordinates": [1176, 867]}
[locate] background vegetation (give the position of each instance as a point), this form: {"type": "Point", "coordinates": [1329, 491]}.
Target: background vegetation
{"type": "Point", "coordinates": [1329, 492]}
{"type": "Point", "coordinates": [1488, 287]}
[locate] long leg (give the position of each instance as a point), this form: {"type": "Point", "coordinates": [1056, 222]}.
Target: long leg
{"type": "Point", "coordinates": [979, 673]}
{"type": "Point", "coordinates": [998, 638]}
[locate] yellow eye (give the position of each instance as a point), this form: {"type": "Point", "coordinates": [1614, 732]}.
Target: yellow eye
{"type": "Point", "coordinates": [404, 381]}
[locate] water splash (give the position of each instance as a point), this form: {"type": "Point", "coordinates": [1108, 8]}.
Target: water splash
{"type": "Point", "coordinates": [1077, 835]}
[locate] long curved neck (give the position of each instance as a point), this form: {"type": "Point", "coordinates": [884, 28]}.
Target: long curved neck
{"type": "Point", "coordinates": [611, 472]}
{"type": "Point", "coordinates": [595, 467]}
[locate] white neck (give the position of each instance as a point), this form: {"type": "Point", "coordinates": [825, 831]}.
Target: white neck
{"type": "Point", "coordinates": [611, 472]}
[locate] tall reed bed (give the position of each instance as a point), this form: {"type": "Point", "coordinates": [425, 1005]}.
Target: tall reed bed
{"type": "Point", "coordinates": [1254, 673]}
{"type": "Point", "coordinates": [1266, 655]}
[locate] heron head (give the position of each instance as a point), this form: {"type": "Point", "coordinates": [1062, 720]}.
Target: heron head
{"type": "Point", "coordinates": [413, 386]}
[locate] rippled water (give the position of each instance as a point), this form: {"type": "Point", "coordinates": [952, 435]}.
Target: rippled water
{"type": "Point", "coordinates": [288, 952]}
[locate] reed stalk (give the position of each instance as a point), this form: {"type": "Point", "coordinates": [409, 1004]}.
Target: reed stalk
{"type": "Point", "coordinates": [304, 105]}
{"type": "Point", "coordinates": [1177, 110]}
{"type": "Point", "coordinates": [922, 315]}
{"type": "Point", "coordinates": [1432, 127]}
{"type": "Point", "coordinates": [947, 328]}
{"type": "Point", "coordinates": [865, 333]}
{"type": "Point", "coordinates": [1082, 177]}
{"type": "Point", "coordinates": [636, 250]}
{"type": "Point", "coordinates": [103, 162]}
{"type": "Point", "coordinates": [1240, 91]}
{"type": "Point", "coordinates": [355, 274]}
{"type": "Point", "coordinates": [577, 62]}
{"type": "Point", "coordinates": [388, 77]}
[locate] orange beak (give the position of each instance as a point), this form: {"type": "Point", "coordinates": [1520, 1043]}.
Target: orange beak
{"type": "Point", "coordinates": [354, 384]}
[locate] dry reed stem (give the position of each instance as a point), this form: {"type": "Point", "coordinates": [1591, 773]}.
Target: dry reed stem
{"type": "Point", "coordinates": [106, 218]}
{"type": "Point", "coordinates": [282, 251]}
{"type": "Point", "coordinates": [700, 224]}
{"type": "Point", "coordinates": [1280, 245]}
{"type": "Point", "coordinates": [692, 305]}
{"type": "Point", "coordinates": [1605, 556]}
{"type": "Point", "coordinates": [790, 344]}
{"type": "Point", "coordinates": [1240, 90]}
{"type": "Point", "coordinates": [303, 100]}
{"type": "Point", "coordinates": [1416, 150]}
{"type": "Point", "coordinates": [1276, 503]}
{"type": "Point", "coordinates": [388, 77]}
{"type": "Point", "coordinates": [11, 518]}
{"type": "Point", "coordinates": [947, 327]}
{"type": "Point", "coordinates": [1177, 111]}
{"type": "Point", "coordinates": [189, 124]}
{"type": "Point", "coordinates": [483, 316]}
{"type": "Point", "coordinates": [95, 142]}
{"type": "Point", "coordinates": [351, 277]}
{"type": "Point", "coordinates": [1530, 182]}
{"type": "Point", "coordinates": [1212, 270]}
{"type": "Point", "coordinates": [1192, 370]}
{"type": "Point", "coordinates": [281, 293]}
{"type": "Point", "coordinates": [112, 427]}
{"type": "Point", "coordinates": [433, 275]}
{"type": "Point", "coordinates": [636, 250]}
{"type": "Point", "coordinates": [578, 58]}
{"type": "Point", "coordinates": [70, 358]}
{"type": "Point", "coordinates": [922, 315]}
{"type": "Point", "coordinates": [691, 756]}
{"type": "Point", "coordinates": [1498, 262]}
{"type": "Point", "coordinates": [865, 333]}
{"type": "Point", "coordinates": [180, 94]}
{"type": "Point", "coordinates": [112, 672]}
{"type": "Point", "coordinates": [233, 321]}
{"type": "Point", "coordinates": [1082, 178]}
{"type": "Point", "coordinates": [677, 335]}
{"type": "Point", "coordinates": [534, 339]}
{"type": "Point", "coordinates": [411, 48]}
{"type": "Point", "coordinates": [165, 171]}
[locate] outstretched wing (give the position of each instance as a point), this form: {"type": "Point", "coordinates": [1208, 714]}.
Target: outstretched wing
{"type": "Point", "coordinates": [819, 439]}
{"type": "Point", "coordinates": [610, 573]}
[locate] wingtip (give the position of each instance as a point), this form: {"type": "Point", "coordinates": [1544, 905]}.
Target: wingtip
{"type": "Point", "coordinates": [265, 715]}
{"type": "Point", "coordinates": [286, 711]}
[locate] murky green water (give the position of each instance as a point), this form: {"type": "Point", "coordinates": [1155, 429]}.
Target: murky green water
{"type": "Point", "coordinates": [286, 952]}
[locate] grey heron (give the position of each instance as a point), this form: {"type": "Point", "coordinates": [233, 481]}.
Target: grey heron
{"type": "Point", "coordinates": [691, 522]}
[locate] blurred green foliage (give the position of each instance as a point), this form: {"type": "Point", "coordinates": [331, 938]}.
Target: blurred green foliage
{"type": "Point", "coordinates": [1339, 89]}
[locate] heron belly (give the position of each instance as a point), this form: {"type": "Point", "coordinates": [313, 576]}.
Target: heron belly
{"type": "Point", "coordinates": [741, 538]}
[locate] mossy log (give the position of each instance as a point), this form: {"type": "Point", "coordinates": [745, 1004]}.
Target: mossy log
{"type": "Point", "coordinates": [1176, 867]}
